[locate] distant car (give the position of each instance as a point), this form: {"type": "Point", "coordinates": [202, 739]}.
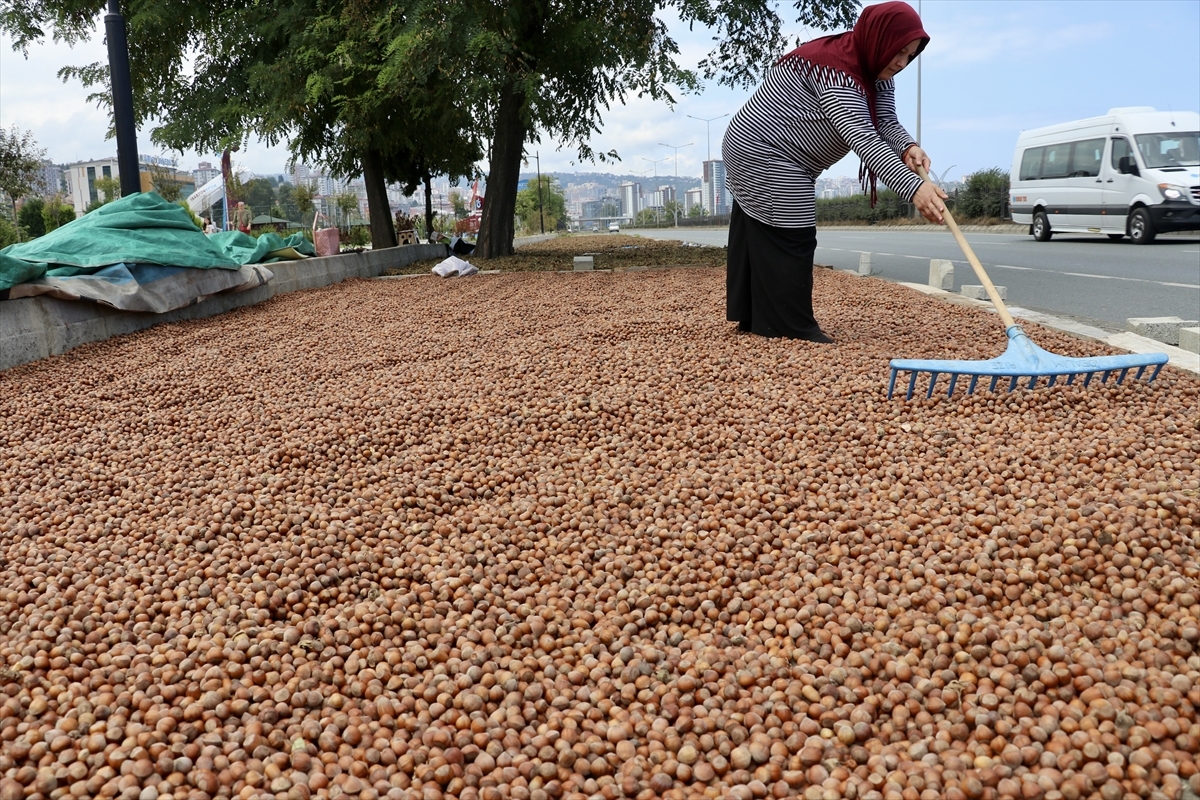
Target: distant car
{"type": "Point", "coordinates": [595, 229]}
{"type": "Point", "coordinates": [614, 227]}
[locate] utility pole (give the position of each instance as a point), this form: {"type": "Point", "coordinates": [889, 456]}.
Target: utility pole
{"type": "Point", "coordinates": [655, 163]}
{"type": "Point", "coordinates": [675, 188]}
{"type": "Point", "coordinates": [707, 130]}
{"type": "Point", "coordinates": [122, 100]}
{"type": "Point", "coordinates": [541, 215]}
{"type": "Point", "coordinates": [919, 85]}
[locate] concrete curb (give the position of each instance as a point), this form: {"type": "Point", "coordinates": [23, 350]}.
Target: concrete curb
{"type": "Point", "coordinates": [541, 237]}
{"type": "Point", "coordinates": [1129, 342]}
{"type": "Point", "coordinates": [37, 327]}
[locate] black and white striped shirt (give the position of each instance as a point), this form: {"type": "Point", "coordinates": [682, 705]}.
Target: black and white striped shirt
{"type": "Point", "coordinates": [800, 122]}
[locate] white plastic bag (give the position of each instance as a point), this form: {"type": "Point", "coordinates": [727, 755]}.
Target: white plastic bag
{"type": "Point", "coordinates": [454, 267]}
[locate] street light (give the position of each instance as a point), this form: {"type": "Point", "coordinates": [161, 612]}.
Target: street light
{"type": "Point", "coordinates": [655, 163]}
{"type": "Point", "coordinates": [676, 148]}
{"type": "Point", "coordinates": [707, 130]}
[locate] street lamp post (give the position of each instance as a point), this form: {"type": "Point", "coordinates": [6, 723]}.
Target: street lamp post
{"type": "Point", "coordinates": [707, 130]}
{"type": "Point", "coordinates": [122, 99]}
{"type": "Point", "coordinates": [675, 188]}
{"type": "Point", "coordinates": [655, 163]}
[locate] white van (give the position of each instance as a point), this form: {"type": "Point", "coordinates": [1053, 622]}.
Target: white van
{"type": "Point", "coordinates": [1134, 172]}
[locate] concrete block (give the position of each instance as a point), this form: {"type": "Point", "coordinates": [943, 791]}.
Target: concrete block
{"type": "Point", "coordinates": [941, 274]}
{"type": "Point", "coordinates": [977, 292]}
{"type": "Point", "coordinates": [585, 263]}
{"type": "Point", "coordinates": [864, 263]}
{"type": "Point", "coordinates": [1162, 329]}
{"type": "Point", "coordinates": [1189, 339]}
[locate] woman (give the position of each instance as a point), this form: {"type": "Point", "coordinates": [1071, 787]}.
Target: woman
{"type": "Point", "coordinates": [827, 97]}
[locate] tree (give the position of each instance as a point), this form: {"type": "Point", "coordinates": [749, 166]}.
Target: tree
{"type": "Point", "coordinates": [109, 187]}
{"type": "Point", "coordinates": [166, 183]}
{"type": "Point", "coordinates": [285, 197]}
{"type": "Point", "coordinates": [404, 89]}
{"type": "Point", "coordinates": [460, 205]}
{"type": "Point", "coordinates": [984, 194]}
{"type": "Point", "coordinates": [347, 203]}
{"type": "Point", "coordinates": [259, 194]}
{"type": "Point", "coordinates": [20, 163]}
{"type": "Point", "coordinates": [303, 195]}
{"type": "Point", "coordinates": [696, 211]}
{"type": "Point", "coordinates": [553, 205]}
{"type": "Point", "coordinates": [30, 217]}
{"type": "Point", "coordinates": [57, 213]}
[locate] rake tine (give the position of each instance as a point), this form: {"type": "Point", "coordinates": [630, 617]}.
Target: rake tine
{"type": "Point", "coordinates": [1071, 379]}
{"type": "Point", "coordinates": [892, 383]}
{"type": "Point", "coordinates": [953, 380]}
{"type": "Point", "coordinates": [1088, 379]}
{"type": "Point", "coordinates": [1138, 375]}
{"type": "Point", "coordinates": [1032, 381]}
{"type": "Point", "coordinates": [971, 388]}
{"type": "Point", "coordinates": [1121, 377]}
{"type": "Point", "coordinates": [912, 384]}
{"type": "Point", "coordinates": [1053, 378]}
{"type": "Point", "coordinates": [932, 381]}
{"type": "Point", "coordinates": [1013, 383]}
{"type": "Point", "coordinates": [1107, 372]}
{"type": "Point", "coordinates": [1156, 371]}
{"type": "Point", "coordinates": [995, 378]}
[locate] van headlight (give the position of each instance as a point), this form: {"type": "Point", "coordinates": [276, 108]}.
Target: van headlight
{"type": "Point", "coordinates": [1172, 192]}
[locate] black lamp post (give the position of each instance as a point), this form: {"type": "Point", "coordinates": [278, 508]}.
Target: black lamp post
{"type": "Point", "coordinates": [122, 98]}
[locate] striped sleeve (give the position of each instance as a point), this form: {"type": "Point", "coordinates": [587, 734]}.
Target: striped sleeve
{"type": "Point", "coordinates": [889, 124]}
{"type": "Point", "coordinates": [846, 109]}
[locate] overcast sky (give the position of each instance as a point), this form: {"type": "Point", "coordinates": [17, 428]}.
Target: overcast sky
{"type": "Point", "coordinates": [992, 69]}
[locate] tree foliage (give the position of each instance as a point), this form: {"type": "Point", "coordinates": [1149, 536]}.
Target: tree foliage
{"type": "Point", "coordinates": [552, 202]}
{"type": "Point", "coordinates": [57, 213]}
{"type": "Point", "coordinates": [983, 194]}
{"type": "Point", "coordinates": [30, 217]}
{"type": "Point", "coordinates": [20, 164]}
{"type": "Point", "coordinates": [407, 89]}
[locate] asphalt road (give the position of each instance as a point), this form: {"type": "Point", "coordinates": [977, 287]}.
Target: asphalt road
{"type": "Point", "coordinates": [1087, 278]}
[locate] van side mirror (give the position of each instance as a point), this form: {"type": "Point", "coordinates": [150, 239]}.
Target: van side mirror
{"type": "Point", "coordinates": [1127, 166]}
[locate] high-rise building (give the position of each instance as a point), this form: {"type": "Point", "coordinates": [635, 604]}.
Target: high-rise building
{"type": "Point", "coordinates": [205, 172]}
{"type": "Point", "coordinates": [631, 199]}
{"type": "Point", "coordinates": [693, 198]}
{"type": "Point", "coordinates": [715, 194]}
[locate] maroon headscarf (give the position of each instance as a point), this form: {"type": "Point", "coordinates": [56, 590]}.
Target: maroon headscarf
{"type": "Point", "coordinates": [881, 32]}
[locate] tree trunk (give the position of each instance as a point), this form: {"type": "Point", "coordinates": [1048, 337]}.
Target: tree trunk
{"type": "Point", "coordinates": [383, 233]}
{"type": "Point", "coordinates": [504, 172]}
{"type": "Point", "coordinates": [429, 207]}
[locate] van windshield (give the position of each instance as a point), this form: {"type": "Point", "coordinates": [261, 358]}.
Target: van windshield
{"type": "Point", "coordinates": [1169, 149]}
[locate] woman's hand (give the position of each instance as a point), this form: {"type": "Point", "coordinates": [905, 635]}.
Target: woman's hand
{"type": "Point", "coordinates": [928, 201]}
{"type": "Point", "coordinates": [915, 157]}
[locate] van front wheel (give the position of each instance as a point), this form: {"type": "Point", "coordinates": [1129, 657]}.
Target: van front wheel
{"type": "Point", "coordinates": [1041, 227]}
{"type": "Point", "coordinates": [1141, 228]}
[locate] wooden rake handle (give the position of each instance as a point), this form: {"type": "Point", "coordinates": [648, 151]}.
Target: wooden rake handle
{"type": "Point", "coordinates": [975, 265]}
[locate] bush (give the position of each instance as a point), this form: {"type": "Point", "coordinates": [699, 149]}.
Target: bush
{"type": "Point", "coordinates": [199, 223]}
{"type": "Point", "coordinates": [57, 213]}
{"type": "Point", "coordinates": [984, 194]}
{"type": "Point", "coordinates": [360, 236]}
{"type": "Point", "coordinates": [30, 217]}
{"type": "Point", "coordinates": [857, 208]}
{"type": "Point", "coordinates": [8, 233]}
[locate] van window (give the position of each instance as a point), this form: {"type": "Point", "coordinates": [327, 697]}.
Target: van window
{"type": "Point", "coordinates": [1057, 161]}
{"type": "Point", "coordinates": [1086, 157]}
{"type": "Point", "coordinates": [1031, 164]}
{"type": "Point", "coordinates": [1120, 149]}
{"type": "Point", "coordinates": [1169, 149]}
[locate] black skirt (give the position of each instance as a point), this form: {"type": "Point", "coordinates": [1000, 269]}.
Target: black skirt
{"type": "Point", "coordinates": [769, 280]}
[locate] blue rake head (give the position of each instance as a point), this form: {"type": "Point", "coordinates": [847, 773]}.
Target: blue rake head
{"type": "Point", "coordinates": [1024, 359]}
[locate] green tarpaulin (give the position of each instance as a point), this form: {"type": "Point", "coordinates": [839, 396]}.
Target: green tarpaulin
{"type": "Point", "coordinates": [139, 229]}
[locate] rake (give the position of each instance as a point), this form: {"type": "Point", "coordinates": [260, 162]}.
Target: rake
{"type": "Point", "coordinates": [1023, 362]}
